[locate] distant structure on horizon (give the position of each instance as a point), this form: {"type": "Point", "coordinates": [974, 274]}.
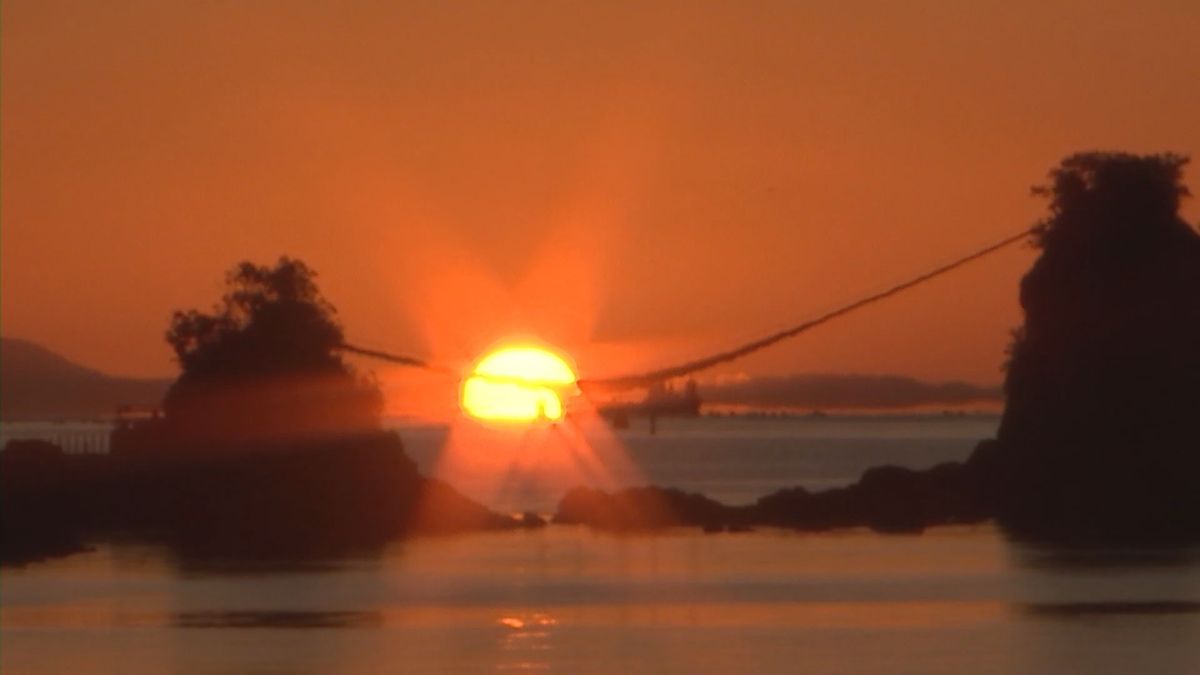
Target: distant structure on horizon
{"type": "Point", "coordinates": [661, 400]}
{"type": "Point", "coordinates": [137, 431]}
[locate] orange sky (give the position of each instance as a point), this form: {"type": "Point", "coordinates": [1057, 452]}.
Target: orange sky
{"type": "Point", "coordinates": [634, 182]}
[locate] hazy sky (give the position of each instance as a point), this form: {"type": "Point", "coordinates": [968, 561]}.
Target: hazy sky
{"type": "Point", "coordinates": [632, 181]}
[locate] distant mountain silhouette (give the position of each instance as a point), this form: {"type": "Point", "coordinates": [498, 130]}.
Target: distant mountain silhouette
{"type": "Point", "coordinates": [847, 391]}
{"type": "Point", "coordinates": [36, 383]}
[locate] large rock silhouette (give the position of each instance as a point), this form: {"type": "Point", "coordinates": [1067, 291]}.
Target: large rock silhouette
{"type": "Point", "coordinates": [1100, 439]}
{"type": "Point", "coordinates": [269, 446]}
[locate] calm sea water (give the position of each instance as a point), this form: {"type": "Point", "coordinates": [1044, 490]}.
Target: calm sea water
{"type": "Point", "coordinates": [732, 459]}
{"type": "Point", "coordinates": [565, 599]}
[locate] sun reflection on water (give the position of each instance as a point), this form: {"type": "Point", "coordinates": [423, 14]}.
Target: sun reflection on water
{"type": "Point", "coordinates": [527, 641]}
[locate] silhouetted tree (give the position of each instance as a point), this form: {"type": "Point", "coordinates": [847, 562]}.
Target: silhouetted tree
{"type": "Point", "coordinates": [270, 447]}
{"type": "Point", "coordinates": [264, 365]}
{"type": "Point", "coordinates": [1099, 438]}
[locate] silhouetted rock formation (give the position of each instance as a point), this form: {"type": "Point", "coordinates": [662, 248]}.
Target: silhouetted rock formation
{"type": "Point", "coordinates": [270, 448]}
{"type": "Point", "coordinates": [38, 518]}
{"type": "Point", "coordinates": [292, 501]}
{"type": "Point", "coordinates": [885, 499]}
{"type": "Point", "coordinates": [351, 494]}
{"type": "Point", "coordinates": [642, 508]}
{"type": "Point", "coordinates": [1099, 440]}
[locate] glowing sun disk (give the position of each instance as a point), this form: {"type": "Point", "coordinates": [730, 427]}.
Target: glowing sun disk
{"type": "Point", "coordinates": [518, 384]}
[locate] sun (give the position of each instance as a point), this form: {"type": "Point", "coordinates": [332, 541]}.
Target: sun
{"type": "Point", "coordinates": [518, 384]}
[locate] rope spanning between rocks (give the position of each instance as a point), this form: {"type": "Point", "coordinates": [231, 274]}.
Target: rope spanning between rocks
{"type": "Point", "coordinates": [410, 361]}
{"type": "Point", "coordinates": [414, 362]}
{"type": "Point", "coordinates": [689, 367]}
{"type": "Point", "coordinates": [645, 379]}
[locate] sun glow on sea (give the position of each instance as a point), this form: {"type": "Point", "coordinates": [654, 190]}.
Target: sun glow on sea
{"type": "Point", "coordinates": [526, 435]}
{"type": "Point", "coordinates": [518, 384]}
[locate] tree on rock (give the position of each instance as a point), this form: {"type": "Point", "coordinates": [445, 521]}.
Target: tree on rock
{"type": "Point", "coordinates": [264, 366]}
{"type": "Point", "coordinates": [1099, 439]}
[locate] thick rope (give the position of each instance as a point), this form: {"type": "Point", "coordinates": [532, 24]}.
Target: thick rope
{"type": "Point", "coordinates": [653, 376]}
{"type": "Point", "coordinates": [639, 380]}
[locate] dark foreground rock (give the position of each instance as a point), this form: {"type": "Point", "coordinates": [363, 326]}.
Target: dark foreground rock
{"type": "Point", "coordinates": [38, 516]}
{"type": "Point", "coordinates": [885, 499]}
{"type": "Point", "coordinates": [641, 508]}
{"type": "Point", "coordinates": [269, 445]}
{"type": "Point", "coordinates": [1100, 440]}
{"type": "Point", "coordinates": [283, 501]}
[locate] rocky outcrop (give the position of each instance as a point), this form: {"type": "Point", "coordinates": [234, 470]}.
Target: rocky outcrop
{"type": "Point", "coordinates": [885, 499]}
{"type": "Point", "coordinates": [283, 502]}
{"type": "Point", "coordinates": [1099, 439]}
{"type": "Point", "coordinates": [640, 508]}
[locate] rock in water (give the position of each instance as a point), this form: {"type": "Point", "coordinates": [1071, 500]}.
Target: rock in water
{"type": "Point", "coordinates": [1099, 440]}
